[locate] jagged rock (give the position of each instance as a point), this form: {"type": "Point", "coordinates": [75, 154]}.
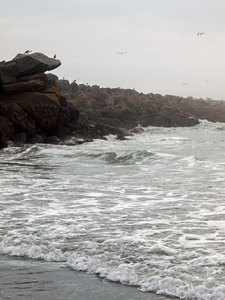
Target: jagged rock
{"type": "Point", "coordinates": [37, 139]}
{"type": "Point", "coordinates": [42, 108]}
{"type": "Point", "coordinates": [3, 142]}
{"type": "Point", "coordinates": [20, 139]}
{"type": "Point", "coordinates": [64, 117]}
{"type": "Point", "coordinates": [8, 72]}
{"type": "Point", "coordinates": [6, 130]}
{"type": "Point", "coordinates": [63, 101]}
{"type": "Point", "coordinates": [31, 85]}
{"type": "Point", "coordinates": [64, 85]}
{"type": "Point", "coordinates": [35, 82]}
{"type": "Point", "coordinates": [18, 118]}
{"type": "Point", "coordinates": [52, 76]}
{"type": "Point", "coordinates": [51, 88]}
{"type": "Point", "coordinates": [52, 139]}
{"type": "Point", "coordinates": [41, 76]}
{"type": "Point", "coordinates": [34, 63]}
{"type": "Point", "coordinates": [74, 87]}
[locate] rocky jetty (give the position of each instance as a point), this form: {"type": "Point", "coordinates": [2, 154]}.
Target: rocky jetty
{"type": "Point", "coordinates": [129, 110]}
{"type": "Point", "coordinates": [126, 108]}
{"type": "Point", "coordinates": [36, 107]}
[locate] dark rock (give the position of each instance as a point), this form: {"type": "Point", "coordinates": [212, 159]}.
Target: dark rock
{"type": "Point", "coordinates": [20, 139]}
{"type": "Point", "coordinates": [74, 87]}
{"type": "Point", "coordinates": [34, 63]}
{"type": "Point", "coordinates": [75, 114]}
{"type": "Point", "coordinates": [51, 88]}
{"type": "Point", "coordinates": [18, 118]}
{"type": "Point", "coordinates": [64, 85]}
{"type": "Point", "coordinates": [31, 85]}
{"type": "Point", "coordinates": [8, 72]}
{"type": "Point", "coordinates": [52, 139]}
{"type": "Point", "coordinates": [64, 117]}
{"type": "Point", "coordinates": [40, 76]}
{"type": "Point", "coordinates": [3, 142]}
{"type": "Point", "coordinates": [42, 108]}
{"type": "Point", "coordinates": [6, 129]}
{"type": "Point", "coordinates": [37, 139]}
{"type": "Point", "coordinates": [52, 76]}
{"type": "Point", "coordinates": [63, 101]}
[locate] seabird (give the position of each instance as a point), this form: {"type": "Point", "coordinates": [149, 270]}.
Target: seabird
{"type": "Point", "coordinates": [55, 56]}
{"type": "Point", "coordinates": [28, 51]}
{"type": "Point", "coordinates": [121, 53]}
{"type": "Point", "coordinates": [185, 83]}
{"type": "Point", "coordinates": [201, 33]}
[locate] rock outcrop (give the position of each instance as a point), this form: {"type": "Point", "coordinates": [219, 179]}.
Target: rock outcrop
{"type": "Point", "coordinates": [36, 107]}
{"type": "Point", "coordinates": [126, 108]}
{"type": "Point", "coordinates": [30, 102]}
{"type": "Point", "coordinates": [24, 64]}
{"type": "Point", "coordinates": [32, 109]}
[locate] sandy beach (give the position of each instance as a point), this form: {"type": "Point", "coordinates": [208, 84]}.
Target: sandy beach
{"type": "Point", "coordinates": [34, 280]}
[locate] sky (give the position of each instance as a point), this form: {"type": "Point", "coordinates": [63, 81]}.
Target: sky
{"type": "Point", "coordinates": [164, 54]}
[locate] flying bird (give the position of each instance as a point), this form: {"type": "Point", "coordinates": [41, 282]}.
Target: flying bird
{"type": "Point", "coordinates": [28, 51]}
{"type": "Point", "coordinates": [185, 83]}
{"type": "Point", "coordinates": [121, 53]}
{"type": "Point", "coordinates": [201, 33]}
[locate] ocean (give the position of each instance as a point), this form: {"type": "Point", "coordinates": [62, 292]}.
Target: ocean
{"type": "Point", "coordinates": [148, 211]}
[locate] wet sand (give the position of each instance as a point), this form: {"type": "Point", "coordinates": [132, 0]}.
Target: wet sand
{"type": "Point", "coordinates": [35, 280]}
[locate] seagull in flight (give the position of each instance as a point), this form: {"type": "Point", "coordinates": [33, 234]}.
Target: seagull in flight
{"type": "Point", "coordinates": [121, 53]}
{"type": "Point", "coordinates": [185, 83]}
{"type": "Point", "coordinates": [201, 33]}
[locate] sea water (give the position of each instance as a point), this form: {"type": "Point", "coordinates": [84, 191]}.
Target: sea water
{"type": "Point", "coordinates": [148, 211]}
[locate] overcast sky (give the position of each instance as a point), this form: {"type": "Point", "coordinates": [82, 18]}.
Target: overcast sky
{"type": "Point", "coordinates": [164, 53]}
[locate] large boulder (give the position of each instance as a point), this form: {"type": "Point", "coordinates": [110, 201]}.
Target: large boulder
{"type": "Point", "coordinates": [22, 65]}
{"type": "Point", "coordinates": [34, 63]}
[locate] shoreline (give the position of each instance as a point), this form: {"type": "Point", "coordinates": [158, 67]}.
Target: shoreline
{"type": "Point", "coordinates": [29, 279]}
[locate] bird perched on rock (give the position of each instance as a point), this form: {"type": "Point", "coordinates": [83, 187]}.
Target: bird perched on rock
{"type": "Point", "coordinates": [28, 51]}
{"type": "Point", "coordinates": [55, 56]}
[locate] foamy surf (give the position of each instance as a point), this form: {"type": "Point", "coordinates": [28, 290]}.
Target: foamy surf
{"type": "Point", "coordinates": [146, 212]}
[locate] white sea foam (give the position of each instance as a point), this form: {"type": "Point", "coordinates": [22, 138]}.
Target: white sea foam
{"type": "Point", "coordinates": [147, 211]}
